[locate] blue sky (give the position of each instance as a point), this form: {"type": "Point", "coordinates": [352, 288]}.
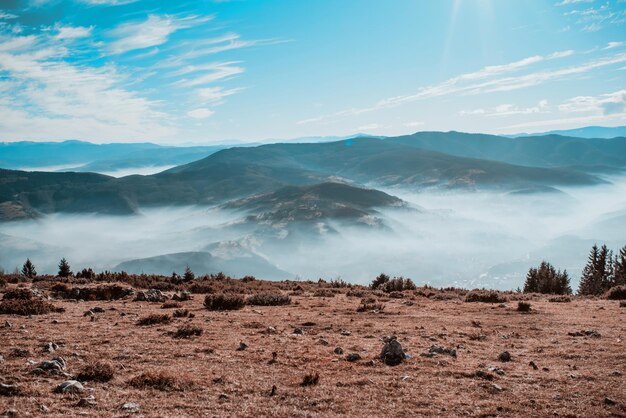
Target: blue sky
{"type": "Point", "coordinates": [214, 71]}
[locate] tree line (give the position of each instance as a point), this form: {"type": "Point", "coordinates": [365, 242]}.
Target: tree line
{"type": "Point", "coordinates": [602, 272]}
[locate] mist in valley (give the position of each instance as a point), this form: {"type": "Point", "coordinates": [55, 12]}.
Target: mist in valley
{"type": "Point", "coordinates": [451, 238]}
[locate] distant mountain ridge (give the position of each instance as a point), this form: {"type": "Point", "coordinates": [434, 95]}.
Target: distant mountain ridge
{"type": "Point", "coordinates": [584, 132]}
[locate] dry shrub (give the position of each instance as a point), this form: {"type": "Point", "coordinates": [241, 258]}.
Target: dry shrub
{"type": "Point", "coordinates": [181, 313]}
{"type": "Point", "coordinates": [27, 307]}
{"type": "Point", "coordinates": [369, 305]}
{"type": "Point", "coordinates": [560, 299]}
{"type": "Point", "coordinates": [248, 279]}
{"type": "Point", "coordinates": [338, 283]}
{"type": "Point", "coordinates": [357, 293]}
{"type": "Point", "coordinates": [110, 292]}
{"type": "Point", "coordinates": [486, 296]}
{"type": "Point", "coordinates": [397, 284]}
{"type": "Point", "coordinates": [523, 306]}
{"type": "Point", "coordinates": [160, 380]}
{"type": "Point", "coordinates": [96, 372]}
{"type": "Point", "coordinates": [224, 302]}
{"type": "Point", "coordinates": [23, 294]}
{"type": "Point", "coordinates": [616, 293]}
{"type": "Point", "coordinates": [154, 319]}
{"type": "Point", "coordinates": [310, 380]}
{"type": "Point", "coordinates": [171, 305]}
{"type": "Point", "coordinates": [187, 331]}
{"type": "Point", "coordinates": [201, 287]}
{"type": "Point", "coordinates": [324, 293]}
{"type": "Point", "coordinates": [268, 299]}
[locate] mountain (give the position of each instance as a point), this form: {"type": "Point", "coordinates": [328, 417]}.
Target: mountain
{"type": "Point", "coordinates": [585, 132]}
{"type": "Point", "coordinates": [85, 156]}
{"type": "Point", "coordinates": [316, 202]}
{"type": "Point", "coordinates": [241, 172]}
{"type": "Point", "coordinates": [537, 151]}
{"type": "Point", "coordinates": [205, 263]}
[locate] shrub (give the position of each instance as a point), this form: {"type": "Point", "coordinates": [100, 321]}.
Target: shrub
{"type": "Point", "coordinates": [159, 380]}
{"type": "Point", "coordinates": [201, 287]}
{"type": "Point", "coordinates": [616, 293]}
{"type": "Point", "coordinates": [154, 319]}
{"type": "Point", "coordinates": [181, 313]}
{"type": "Point", "coordinates": [357, 293]}
{"type": "Point", "coordinates": [222, 302]}
{"type": "Point", "coordinates": [248, 279]}
{"type": "Point", "coordinates": [380, 280]}
{"type": "Point", "coordinates": [560, 299]}
{"type": "Point", "coordinates": [486, 296]}
{"type": "Point", "coordinates": [23, 294]}
{"type": "Point", "coordinates": [3, 282]}
{"type": "Point", "coordinates": [310, 380]}
{"type": "Point", "coordinates": [339, 283]}
{"type": "Point", "coordinates": [523, 306]}
{"type": "Point", "coordinates": [111, 292]}
{"type": "Point", "coordinates": [187, 331]}
{"type": "Point", "coordinates": [27, 307]}
{"type": "Point", "coordinates": [171, 305]}
{"type": "Point", "coordinates": [268, 299]}
{"type": "Point", "coordinates": [324, 293]}
{"type": "Point", "coordinates": [96, 372]}
{"type": "Point", "coordinates": [370, 305]}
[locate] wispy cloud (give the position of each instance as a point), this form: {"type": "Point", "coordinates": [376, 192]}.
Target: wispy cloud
{"type": "Point", "coordinates": [605, 104]}
{"type": "Point", "coordinates": [568, 2]}
{"type": "Point", "coordinates": [6, 16]}
{"type": "Point", "coordinates": [211, 73]}
{"type": "Point", "coordinates": [155, 30]}
{"type": "Point", "coordinates": [216, 94]}
{"type": "Point", "coordinates": [107, 2]}
{"type": "Point", "coordinates": [72, 32]}
{"type": "Point", "coordinates": [504, 110]}
{"type": "Point", "coordinates": [201, 113]}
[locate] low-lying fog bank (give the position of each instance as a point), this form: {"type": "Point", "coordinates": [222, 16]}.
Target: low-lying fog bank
{"type": "Point", "coordinates": [456, 238]}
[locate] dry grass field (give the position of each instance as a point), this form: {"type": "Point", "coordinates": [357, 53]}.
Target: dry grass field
{"type": "Point", "coordinates": [139, 358]}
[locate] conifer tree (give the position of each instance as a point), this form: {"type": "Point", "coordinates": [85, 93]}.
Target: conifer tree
{"type": "Point", "coordinates": [598, 275]}
{"type": "Point", "coordinates": [188, 276]}
{"type": "Point", "coordinates": [28, 269]}
{"type": "Point", "coordinates": [619, 268]}
{"type": "Point", "coordinates": [64, 268]}
{"type": "Point", "coordinates": [546, 279]}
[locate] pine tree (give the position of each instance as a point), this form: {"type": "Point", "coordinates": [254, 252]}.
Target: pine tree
{"type": "Point", "coordinates": [64, 268]}
{"type": "Point", "coordinates": [532, 281]}
{"type": "Point", "coordinates": [188, 276]}
{"type": "Point", "coordinates": [598, 275]}
{"type": "Point", "coordinates": [546, 279]}
{"type": "Point", "coordinates": [28, 269]}
{"type": "Point", "coordinates": [619, 268]}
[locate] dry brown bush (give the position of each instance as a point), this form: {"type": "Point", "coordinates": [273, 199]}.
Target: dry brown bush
{"type": "Point", "coordinates": [95, 372]}
{"type": "Point", "coordinates": [523, 307]}
{"type": "Point", "coordinates": [160, 380]}
{"type": "Point", "coordinates": [560, 299]}
{"type": "Point", "coordinates": [268, 299]}
{"type": "Point", "coordinates": [110, 292]}
{"type": "Point", "coordinates": [486, 296]}
{"type": "Point", "coordinates": [27, 307]}
{"type": "Point", "coordinates": [324, 293]}
{"type": "Point", "coordinates": [171, 305]}
{"type": "Point", "coordinates": [187, 331]}
{"type": "Point", "coordinates": [154, 319]}
{"type": "Point", "coordinates": [24, 294]}
{"type": "Point", "coordinates": [224, 302]}
{"type": "Point", "coordinates": [616, 293]}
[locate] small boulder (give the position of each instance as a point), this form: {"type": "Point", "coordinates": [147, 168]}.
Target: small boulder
{"type": "Point", "coordinates": [242, 346]}
{"type": "Point", "coordinates": [504, 357]}
{"type": "Point", "coordinates": [392, 353]}
{"type": "Point", "coordinates": [183, 296]}
{"type": "Point", "coordinates": [50, 347]}
{"type": "Point", "coordinates": [152, 295]}
{"type": "Point", "coordinates": [9, 390]}
{"type": "Point", "coordinates": [130, 407]}
{"type": "Point", "coordinates": [338, 351]}
{"type": "Point", "coordinates": [69, 386]}
{"type": "Point", "coordinates": [352, 357]}
{"type": "Point", "coordinates": [88, 402]}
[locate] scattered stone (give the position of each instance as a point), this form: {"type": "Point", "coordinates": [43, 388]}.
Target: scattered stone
{"type": "Point", "coordinates": [242, 346]}
{"type": "Point", "coordinates": [70, 386]}
{"type": "Point", "coordinates": [392, 353]}
{"type": "Point", "coordinates": [496, 387]}
{"type": "Point", "coordinates": [483, 375]}
{"type": "Point", "coordinates": [352, 357]}
{"type": "Point", "coordinates": [273, 392]}
{"type": "Point", "coordinates": [44, 408]}
{"type": "Point", "coordinates": [274, 358]}
{"type": "Point", "coordinates": [338, 351]}
{"type": "Point", "coordinates": [9, 390]}
{"type": "Point", "coordinates": [50, 347]}
{"type": "Point", "coordinates": [130, 407]}
{"type": "Point", "coordinates": [88, 313]}
{"type": "Point", "coordinates": [345, 332]}
{"type": "Point", "coordinates": [609, 401]}
{"type": "Point", "coordinates": [435, 349]}
{"type": "Point", "coordinates": [322, 341]}
{"type": "Point", "coordinates": [7, 324]}
{"type": "Point", "coordinates": [616, 373]}
{"type": "Point", "coordinates": [497, 371]}
{"type": "Point", "coordinates": [183, 296]}
{"type": "Point", "coordinates": [87, 402]}
{"type": "Point", "coordinates": [223, 397]}
{"type": "Point", "coordinates": [10, 413]}
{"type": "Point", "coordinates": [585, 333]}
{"type": "Point", "coordinates": [152, 295]}
{"type": "Point", "coordinates": [504, 357]}
{"type": "Point", "coordinates": [56, 366]}
{"type": "Point", "coordinates": [298, 331]}
{"type": "Point", "coordinates": [533, 365]}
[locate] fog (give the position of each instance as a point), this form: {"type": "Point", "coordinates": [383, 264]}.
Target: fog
{"type": "Point", "coordinates": [469, 239]}
{"type": "Point", "coordinates": [119, 172]}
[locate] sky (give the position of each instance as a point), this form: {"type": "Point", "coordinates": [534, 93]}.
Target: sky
{"type": "Point", "coordinates": [181, 72]}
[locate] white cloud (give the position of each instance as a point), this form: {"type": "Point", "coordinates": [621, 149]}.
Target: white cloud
{"type": "Point", "coordinates": [151, 32]}
{"type": "Point", "coordinates": [211, 73]}
{"type": "Point", "coordinates": [414, 124]}
{"type": "Point", "coordinates": [612, 45]}
{"type": "Point", "coordinates": [72, 32]}
{"type": "Point", "coordinates": [605, 104]}
{"type": "Point", "coordinates": [504, 110]}
{"type": "Point", "coordinates": [201, 113]}
{"type": "Point", "coordinates": [568, 2]}
{"type": "Point", "coordinates": [370, 127]}
{"type": "Point", "coordinates": [214, 94]}
{"type": "Point", "coordinates": [108, 2]}
{"type": "Point", "coordinates": [6, 16]}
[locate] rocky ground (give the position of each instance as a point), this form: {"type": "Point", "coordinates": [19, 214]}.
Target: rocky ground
{"type": "Point", "coordinates": [317, 356]}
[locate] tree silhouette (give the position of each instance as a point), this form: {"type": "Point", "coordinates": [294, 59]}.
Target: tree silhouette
{"type": "Point", "coordinates": [188, 276]}
{"type": "Point", "coordinates": [546, 279]}
{"type": "Point", "coordinates": [619, 268]}
{"type": "Point", "coordinates": [598, 274]}
{"type": "Point", "coordinates": [64, 268]}
{"type": "Point", "coordinates": [28, 269]}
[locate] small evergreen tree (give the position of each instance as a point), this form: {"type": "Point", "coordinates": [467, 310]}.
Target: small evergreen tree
{"type": "Point", "coordinates": [546, 279]}
{"type": "Point", "coordinates": [598, 274]}
{"type": "Point", "coordinates": [64, 268]}
{"type": "Point", "coordinates": [28, 269]}
{"type": "Point", "coordinates": [379, 281]}
{"type": "Point", "coordinates": [188, 276]}
{"type": "Point", "coordinates": [619, 268]}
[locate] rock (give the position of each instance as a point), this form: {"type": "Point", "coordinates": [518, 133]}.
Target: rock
{"type": "Point", "coordinates": [87, 402]}
{"type": "Point", "coordinates": [609, 401]}
{"type": "Point", "coordinates": [44, 408]}
{"type": "Point", "coordinates": [338, 351]}
{"type": "Point", "coordinates": [435, 349]}
{"type": "Point", "coordinates": [152, 295]}
{"type": "Point", "coordinates": [496, 388]}
{"type": "Point", "coordinates": [533, 365]}
{"type": "Point", "coordinates": [345, 332]}
{"type": "Point", "coordinates": [56, 365]}
{"type": "Point", "coordinates": [322, 341]}
{"type": "Point", "coordinates": [497, 371]}
{"type": "Point", "coordinates": [130, 407]}
{"type": "Point", "coordinates": [504, 357]}
{"type": "Point", "coordinates": [9, 390]}
{"type": "Point", "coordinates": [10, 413]}
{"type": "Point", "coordinates": [50, 347]}
{"type": "Point", "coordinates": [182, 296]}
{"type": "Point", "coordinates": [273, 392]}
{"type": "Point", "coordinates": [298, 331]}
{"type": "Point", "coordinates": [616, 373]}
{"type": "Point", "coordinates": [88, 313]}
{"type": "Point", "coordinates": [70, 386]}
{"type": "Point", "coordinates": [352, 357]}
{"type": "Point", "coordinates": [7, 324]}
{"type": "Point", "coordinates": [392, 353]}
{"type": "Point", "coordinates": [242, 346]}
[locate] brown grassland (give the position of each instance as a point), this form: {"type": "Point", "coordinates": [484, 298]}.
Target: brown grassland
{"type": "Point", "coordinates": [193, 363]}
